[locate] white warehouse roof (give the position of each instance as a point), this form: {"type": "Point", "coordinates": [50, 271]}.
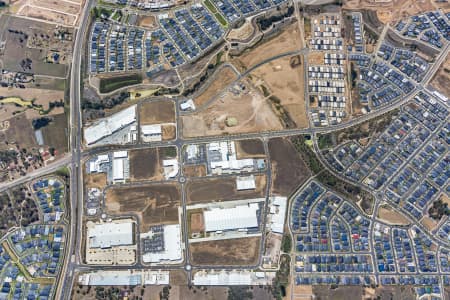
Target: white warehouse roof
{"type": "Point", "coordinates": [118, 169]}
{"type": "Point", "coordinates": [110, 125]}
{"type": "Point", "coordinates": [239, 217]}
{"type": "Point", "coordinates": [277, 214]}
{"type": "Point", "coordinates": [172, 246]}
{"type": "Point", "coordinates": [151, 129]}
{"type": "Point", "coordinates": [108, 235]}
{"type": "Point", "coordinates": [223, 278]}
{"type": "Point", "coordinates": [245, 183]}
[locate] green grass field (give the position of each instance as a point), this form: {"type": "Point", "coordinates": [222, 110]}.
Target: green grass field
{"type": "Point", "coordinates": [108, 85]}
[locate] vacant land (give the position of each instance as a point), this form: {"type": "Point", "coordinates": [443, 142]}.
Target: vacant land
{"type": "Point", "coordinates": [61, 12]}
{"type": "Point", "coordinates": [288, 40]}
{"type": "Point", "coordinates": [242, 33]}
{"type": "Point", "coordinates": [144, 164]}
{"type": "Point", "coordinates": [246, 105]}
{"type": "Point", "coordinates": [19, 132]}
{"type": "Point", "coordinates": [289, 171]}
{"type": "Point", "coordinates": [441, 79]}
{"type": "Point", "coordinates": [56, 133]}
{"type": "Point", "coordinates": [221, 80]}
{"type": "Point", "coordinates": [222, 189]}
{"type": "Point", "coordinates": [283, 80]}
{"type": "Point", "coordinates": [250, 149]}
{"type": "Point", "coordinates": [152, 203]}
{"type": "Point", "coordinates": [147, 22]}
{"type": "Point", "coordinates": [389, 215]}
{"type": "Point", "coordinates": [243, 251]}
{"type": "Point", "coordinates": [95, 180]}
{"type": "Point", "coordinates": [194, 170]}
{"type": "Point", "coordinates": [394, 10]}
{"type": "Point", "coordinates": [157, 112]}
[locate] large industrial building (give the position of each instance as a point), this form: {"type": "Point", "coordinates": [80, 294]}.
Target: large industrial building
{"type": "Point", "coordinates": [236, 277]}
{"type": "Point", "coordinates": [109, 125]}
{"type": "Point", "coordinates": [107, 235]}
{"type": "Point", "coordinates": [277, 214]}
{"type": "Point", "coordinates": [124, 277]}
{"type": "Point", "coordinates": [233, 218]}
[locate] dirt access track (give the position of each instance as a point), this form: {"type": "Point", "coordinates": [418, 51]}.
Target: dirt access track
{"type": "Point", "coordinates": [152, 203]}
{"type": "Point", "coordinates": [64, 12]}
{"type": "Point", "coordinates": [231, 252]}
{"type": "Point", "coordinates": [244, 103]}
{"type": "Point", "coordinates": [222, 189]}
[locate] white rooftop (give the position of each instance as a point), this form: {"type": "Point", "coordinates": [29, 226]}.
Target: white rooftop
{"type": "Point", "coordinates": [238, 217]}
{"type": "Point", "coordinates": [107, 235]}
{"type": "Point", "coordinates": [245, 183]}
{"type": "Point", "coordinates": [151, 129]}
{"type": "Point", "coordinates": [109, 125]}
{"type": "Point", "coordinates": [277, 214]}
{"type": "Point", "coordinates": [172, 246]}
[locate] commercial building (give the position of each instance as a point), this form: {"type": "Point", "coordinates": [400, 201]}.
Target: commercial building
{"type": "Point", "coordinates": [109, 125]}
{"type": "Point", "coordinates": [107, 235]}
{"type": "Point", "coordinates": [222, 158]}
{"type": "Point", "coordinates": [277, 214]}
{"type": "Point", "coordinates": [170, 167]}
{"type": "Point", "coordinates": [232, 218]}
{"type": "Point", "coordinates": [111, 243]}
{"type": "Point", "coordinates": [162, 244]}
{"type": "Point", "coordinates": [120, 166]}
{"type": "Point", "coordinates": [97, 164]}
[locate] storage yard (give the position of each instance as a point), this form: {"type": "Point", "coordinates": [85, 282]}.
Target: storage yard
{"type": "Point", "coordinates": [243, 251]}
{"type": "Point", "coordinates": [153, 203]}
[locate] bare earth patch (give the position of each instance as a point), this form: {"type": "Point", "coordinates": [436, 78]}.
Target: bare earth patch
{"type": "Point", "coordinates": [243, 251]}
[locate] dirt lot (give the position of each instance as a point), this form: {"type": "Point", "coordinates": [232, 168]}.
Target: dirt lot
{"type": "Point", "coordinates": [157, 112]}
{"type": "Point", "coordinates": [213, 190]}
{"type": "Point", "coordinates": [284, 79]}
{"type": "Point", "coordinates": [389, 215]}
{"type": "Point", "coordinates": [242, 33]}
{"type": "Point", "coordinates": [243, 251]}
{"type": "Point", "coordinates": [95, 180]}
{"type": "Point", "coordinates": [250, 149]}
{"type": "Point", "coordinates": [153, 203]}
{"type": "Point", "coordinates": [147, 22]}
{"type": "Point", "coordinates": [289, 171]}
{"type": "Point", "coordinates": [61, 12]}
{"type": "Point", "coordinates": [394, 10]}
{"type": "Point", "coordinates": [169, 132]}
{"type": "Point", "coordinates": [194, 171]}
{"type": "Point", "coordinates": [288, 40]}
{"type": "Point", "coordinates": [197, 222]}
{"type": "Point", "coordinates": [428, 222]}
{"type": "Point", "coordinates": [146, 164]}
{"type": "Point", "coordinates": [441, 79]}
{"type": "Point", "coordinates": [222, 79]}
{"type": "Point", "coordinates": [248, 106]}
